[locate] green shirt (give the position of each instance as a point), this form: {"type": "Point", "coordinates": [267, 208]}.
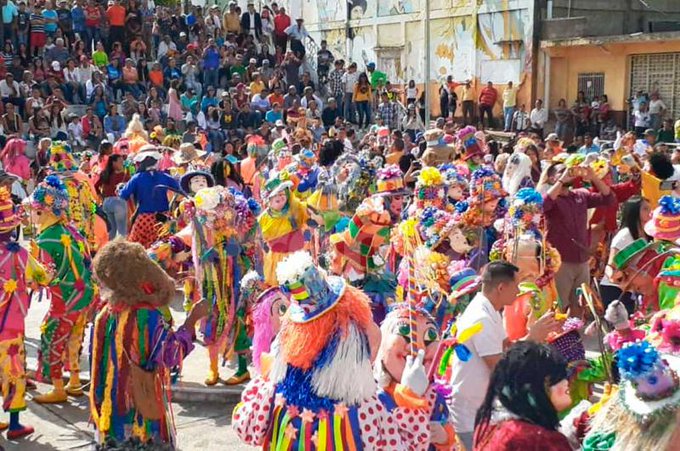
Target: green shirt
{"type": "Point", "coordinates": [100, 58]}
{"type": "Point", "coordinates": [241, 70]}
{"type": "Point", "coordinates": [378, 79]}
{"type": "Point", "coordinates": [666, 136]}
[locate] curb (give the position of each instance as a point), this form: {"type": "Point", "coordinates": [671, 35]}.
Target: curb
{"type": "Point", "coordinates": [185, 393]}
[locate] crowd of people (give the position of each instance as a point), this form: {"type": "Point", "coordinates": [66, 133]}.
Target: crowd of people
{"type": "Point", "coordinates": [378, 282]}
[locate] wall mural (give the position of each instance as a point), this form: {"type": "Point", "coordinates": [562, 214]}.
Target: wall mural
{"type": "Point", "coordinates": [395, 7]}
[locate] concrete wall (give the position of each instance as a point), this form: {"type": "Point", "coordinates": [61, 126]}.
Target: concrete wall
{"type": "Point", "coordinates": [607, 17]}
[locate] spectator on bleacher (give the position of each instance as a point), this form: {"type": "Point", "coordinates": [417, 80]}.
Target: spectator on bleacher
{"type": "Point", "coordinates": [281, 23]}
{"type": "Point", "coordinates": [232, 21]}
{"type": "Point", "coordinates": [297, 34]}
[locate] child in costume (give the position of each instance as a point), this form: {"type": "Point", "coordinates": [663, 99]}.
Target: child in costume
{"type": "Point", "coordinates": [397, 337]}
{"type": "Point", "coordinates": [62, 250]}
{"type": "Point", "coordinates": [283, 223]}
{"type": "Point", "coordinates": [319, 392]}
{"type": "Point", "coordinates": [306, 174]}
{"type": "Point", "coordinates": [19, 274]}
{"type": "Point", "coordinates": [133, 347]}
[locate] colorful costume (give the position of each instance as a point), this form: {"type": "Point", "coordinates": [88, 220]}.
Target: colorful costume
{"type": "Point", "coordinates": [283, 227]}
{"type": "Point", "coordinates": [133, 347]}
{"type": "Point", "coordinates": [19, 273]}
{"type": "Point", "coordinates": [65, 254]}
{"type": "Point", "coordinates": [319, 392]}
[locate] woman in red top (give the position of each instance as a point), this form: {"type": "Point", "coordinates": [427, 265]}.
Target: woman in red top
{"type": "Point", "coordinates": [527, 390]}
{"type": "Point", "coordinates": [114, 207]}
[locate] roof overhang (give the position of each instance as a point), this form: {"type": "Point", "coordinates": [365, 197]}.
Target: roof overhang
{"type": "Point", "coordinates": [635, 38]}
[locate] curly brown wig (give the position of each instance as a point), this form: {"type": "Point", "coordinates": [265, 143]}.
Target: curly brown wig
{"type": "Point", "coordinates": [127, 275]}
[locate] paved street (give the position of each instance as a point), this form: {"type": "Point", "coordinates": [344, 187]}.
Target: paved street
{"type": "Point", "coordinates": [200, 425]}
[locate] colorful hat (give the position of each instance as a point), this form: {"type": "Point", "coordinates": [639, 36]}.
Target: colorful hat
{"type": "Point", "coordinates": [390, 181]}
{"type": "Point", "coordinates": [453, 175]}
{"type": "Point", "coordinates": [435, 225]}
{"type": "Point", "coordinates": [665, 222]}
{"type": "Point", "coordinates": [601, 167]}
{"type": "Point", "coordinates": [526, 210]}
{"type": "Point", "coordinates": [466, 136]}
{"type": "Point", "coordinates": [486, 185]}
{"type": "Point", "coordinates": [631, 253]}
{"type": "Point", "coordinates": [252, 288]}
{"type": "Point", "coordinates": [312, 293]}
{"type": "Point", "coordinates": [61, 159]}
{"type": "Point", "coordinates": [9, 219]}
{"type": "Point", "coordinates": [277, 182]}
{"type": "Point", "coordinates": [185, 181]}
{"type": "Point", "coordinates": [568, 342]}
{"type": "Point", "coordinates": [50, 194]}
{"type": "Point", "coordinates": [649, 381]}
{"type": "Point", "coordinates": [430, 185]}
{"type": "Point", "coordinates": [278, 145]}
{"type": "Point", "coordinates": [307, 158]}
{"type": "Point", "coordinates": [463, 280]}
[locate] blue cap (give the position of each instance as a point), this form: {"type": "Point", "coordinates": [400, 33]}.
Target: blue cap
{"type": "Point", "coordinates": [371, 65]}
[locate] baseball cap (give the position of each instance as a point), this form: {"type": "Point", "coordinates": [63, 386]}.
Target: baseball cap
{"type": "Point", "coordinates": [279, 123]}
{"type": "Point", "coordinates": [552, 137]}
{"type": "Point", "coordinates": [253, 61]}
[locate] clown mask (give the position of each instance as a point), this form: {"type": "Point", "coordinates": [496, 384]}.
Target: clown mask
{"type": "Point", "coordinates": [455, 193]}
{"type": "Point", "coordinates": [278, 309]}
{"type": "Point", "coordinates": [526, 259]}
{"type": "Point", "coordinates": [458, 241]}
{"type": "Point", "coordinates": [197, 183]}
{"type": "Point", "coordinates": [396, 339]}
{"type": "Point", "coordinates": [278, 201]}
{"type": "Point", "coordinates": [396, 204]}
{"type": "Point", "coordinates": [489, 211]}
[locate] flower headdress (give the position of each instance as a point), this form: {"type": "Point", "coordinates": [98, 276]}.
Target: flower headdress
{"type": "Point", "coordinates": [453, 175]}
{"type": "Point", "coordinates": [526, 211]}
{"type": "Point", "coordinates": [485, 185]}
{"type": "Point", "coordinates": [50, 194]}
{"type": "Point", "coordinates": [430, 187]}
{"type": "Point", "coordinates": [435, 225]}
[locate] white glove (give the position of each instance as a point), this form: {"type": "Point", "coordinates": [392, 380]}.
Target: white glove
{"type": "Point", "coordinates": [414, 376]}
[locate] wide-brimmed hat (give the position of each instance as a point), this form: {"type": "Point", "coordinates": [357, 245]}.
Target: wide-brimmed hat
{"type": "Point", "coordinates": [9, 219]}
{"type": "Point", "coordinates": [631, 253]}
{"type": "Point", "coordinates": [187, 153]}
{"type": "Point", "coordinates": [277, 182]}
{"type": "Point", "coordinates": [552, 137]}
{"type": "Point", "coordinates": [147, 151]}
{"type": "Point", "coordinates": [185, 181]}
{"type": "Point", "coordinates": [665, 222]}
{"type": "Point", "coordinates": [311, 291]}
{"type": "Point", "coordinates": [6, 177]}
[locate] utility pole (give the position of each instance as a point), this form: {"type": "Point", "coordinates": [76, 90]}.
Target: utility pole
{"type": "Point", "coordinates": [427, 64]}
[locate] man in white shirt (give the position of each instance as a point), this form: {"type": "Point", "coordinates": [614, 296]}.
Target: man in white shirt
{"type": "Point", "coordinates": [520, 119]}
{"type": "Point", "coordinates": [470, 380]}
{"type": "Point", "coordinates": [656, 111]}
{"type": "Point", "coordinates": [165, 46]}
{"type": "Point", "coordinates": [538, 118]}
{"type": "Point", "coordinates": [349, 79]}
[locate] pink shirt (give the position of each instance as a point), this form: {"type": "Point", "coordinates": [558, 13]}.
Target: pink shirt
{"type": "Point", "coordinates": [20, 166]}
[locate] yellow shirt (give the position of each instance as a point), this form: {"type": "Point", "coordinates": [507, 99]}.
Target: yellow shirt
{"type": "Point", "coordinates": [361, 96]}
{"type": "Point", "coordinates": [510, 97]}
{"type": "Point", "coordinates": [677, 129]}
{"type": "Point", "coordinates": [232, 23]}
{"type": "Point", "coordinates": [274, 227]}
{"type": "Point", "coordinates": [468, 93]}
{"type": "Point", "coordinates": [256, 87]}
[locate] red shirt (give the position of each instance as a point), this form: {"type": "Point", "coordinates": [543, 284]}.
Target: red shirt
{"type": "Point", "coordinates": [281, 22]}
{"type": "Point", "coordinates": [109, 189]}
{"type": "Point", "coordinates": [518, 435]}
{"type": "Point", "coordinates": [607, 214]}
{"type": "Point", "coordinates": [488, 96]}
{"type": "Point", "coordinates": [566, 220]}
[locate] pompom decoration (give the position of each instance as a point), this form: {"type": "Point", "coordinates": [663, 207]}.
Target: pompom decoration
{"type": "Point", "coordinates": [637, 359]}
{"type": "Point", "coordinates": [669, 205]}
{"type": "Point", "coordinates": [294, 267]}
{"type": "Point", "coordinates": [389, 172]}
{"type": "Point", "coordinates": [430, 177]}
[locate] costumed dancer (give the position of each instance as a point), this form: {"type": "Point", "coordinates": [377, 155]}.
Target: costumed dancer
{"type": "Point", "coordinates": [149, 188]}
{"type": "Point", "coordinates": [251, 166]}
{"type": "Point", "coordinates": [305, 175]}
{"type": "Point", "coordinates": [438, 151]}
{"type": "Point", "coordinates": [319, 392]}
{"type": "Point", "coordinates": [486, 204]}
{"type": "Point", "coordinates": [430, 191]}
{"type": "Point", "coordinates": [472, 152]}
{"type": "Point", "coordinates": [20, 274]}
{"type": "Point", "coordinates": [283, 223]}
{"type": "Point", "coordinates": [643, 414]}
{"type": "Point", "coordinates": [62, 250]}
{"type": "Point", "coordinates": [456, 183]}
{"type": "Point", "coordinates": [624, 332]}
{"type": "Point", "coordinates": [361, 252]}
{"type": "Point", "coordinates": [266, 307]}
{"type": "Point", "coordinates": [82, 204]}
{"type": "Point", "coordinates": [134, 348]}
{"type": "Point", "coordinates": [406, 327]}
{"type": "Point", "coordinates": [136, 135]}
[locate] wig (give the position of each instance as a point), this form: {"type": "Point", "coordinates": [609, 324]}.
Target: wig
{"type": "Point", "coordinates": [519, 383]}
{"type": "Point", "coordinates": [264, 334]}
{"type": "Point", "coordinates": [135, 129]}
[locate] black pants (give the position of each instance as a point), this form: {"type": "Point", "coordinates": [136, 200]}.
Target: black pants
{"type": "Point", "coordinates": [281, 41]}
{"type": "Point", "coordinates": [444, 106]}
{"type": "Point", "coordinates": [488, 110]}
{"type": "Point", "coordinates": [611, 293]}
{"type": "Point", "coordinates": [116, 34]}
{"type": "Point", "coordinates": [297, 47]}
{"type": "Point", "coordinates": [468, 111]}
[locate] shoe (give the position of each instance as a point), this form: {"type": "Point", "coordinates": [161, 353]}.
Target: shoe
{"type": "Point", "coordinates": [74, 387]}
{"type": "Point", "coordinates": [236, 379]}
{"type": "Point", "coordinates": [23, 431]}
{"type": "Point", "coordinates": [30, 384]}
{"type": "Point", "coordinates": [55, 396]}
{"type": "Point", "coordinates": [212, 379]}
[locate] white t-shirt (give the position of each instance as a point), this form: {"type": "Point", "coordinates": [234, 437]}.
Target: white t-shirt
{"type": "Point", "coordinates": [470, 380]}
{"type": "Point", "coordinates": [642, 118]}
{"type": "Point", "coordinates": [655, 106]}
{"type": "Point", "coordinates": [622, 239]}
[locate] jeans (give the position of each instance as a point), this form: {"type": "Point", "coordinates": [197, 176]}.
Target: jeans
{"type": "Point", "coordinates": [507, 116]}
{"type": "Point", "coordinates": [210, 78]}
{"type": "Point", "coordinates": [561, 129]}
{"type": "Point", "coordinates": [349, 108]}
{"type": "Point", "coordinates": [93, 35]}
{"type": "Point", "coordinates": [488, 110]}
{"type": "Point", "coordinates": [364, 109]}
{"type": "Point", "coordinates": [468, 111]}
{"type": "Point", "coordinates": [116, 213]}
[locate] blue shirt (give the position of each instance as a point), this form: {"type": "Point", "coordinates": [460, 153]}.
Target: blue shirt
{"type": "Point", "coordinates": [114, 124]}
{"type": "Point", "coordinates": [146, 189]}
{"type": "Point", "coordinates": [50, 27]}
{"type": "Point", "coordinates": [9, 12]}
{"type": "Point", "coordinates": [78, 17]}
{"type": "Point", "coordinates": [588, 150]}
{"type": "Point", "coordinates": [211, 59]}
{"type": "Point", "coordinates": [207, 102]}
{"type": "Point", "coordinates": [272, 116]}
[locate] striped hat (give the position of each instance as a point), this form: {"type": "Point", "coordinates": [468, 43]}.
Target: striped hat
{"type": "Point", "coordinates": [9, 217]}
{"type": "Point", "coordinates": [311, 292]}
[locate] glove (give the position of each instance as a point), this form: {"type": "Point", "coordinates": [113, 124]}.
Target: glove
{"type": "Point", "coordinates": [414, 376]}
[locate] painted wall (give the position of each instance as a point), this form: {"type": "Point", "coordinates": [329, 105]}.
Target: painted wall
{"type": "Point", "coordinates": [470, 39]}
{"type": "Point", "coordinates": [611, 59]}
